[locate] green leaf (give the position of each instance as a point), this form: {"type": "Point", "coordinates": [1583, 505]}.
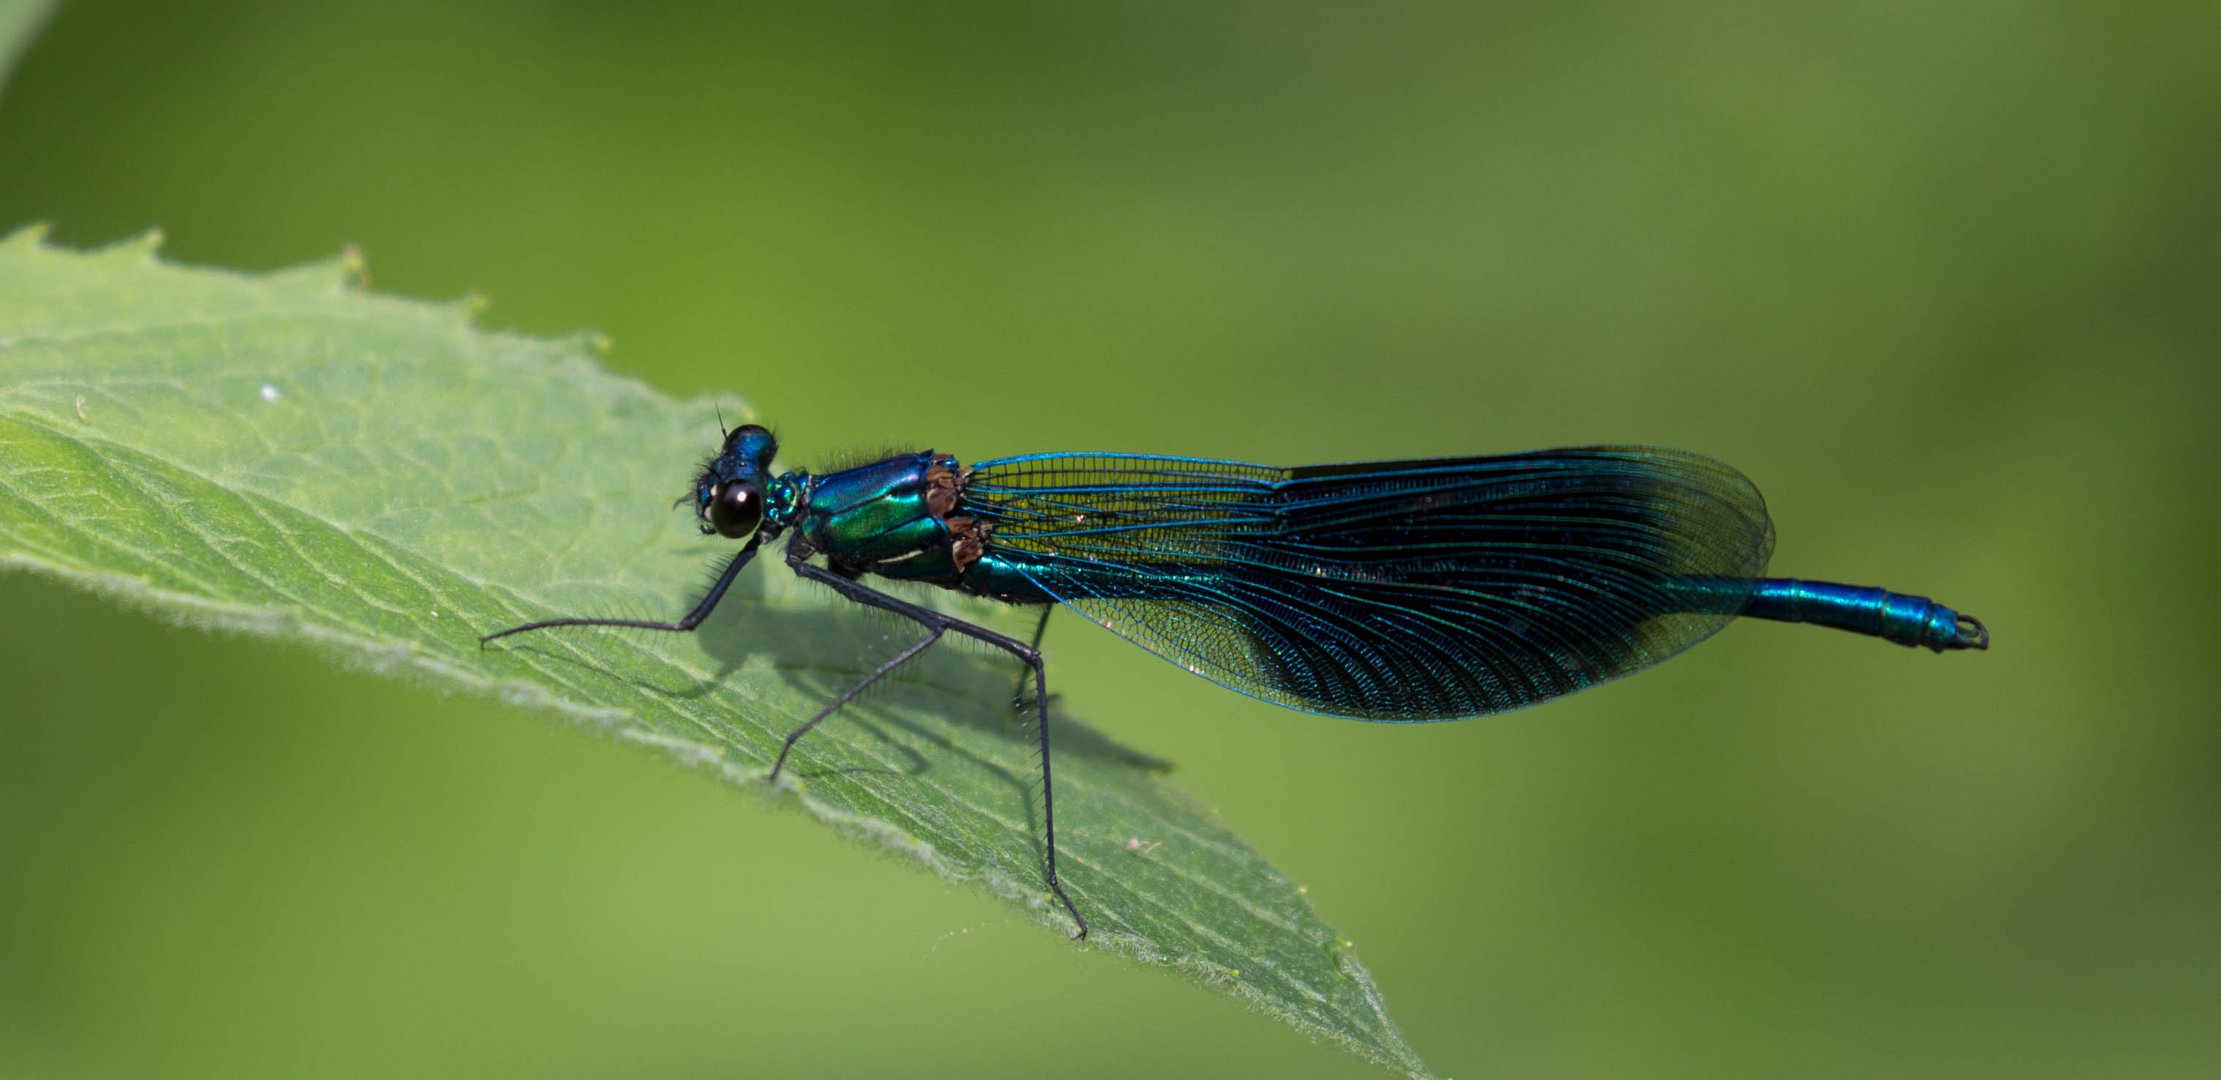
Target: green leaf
{"type": "Point", "coordinates": [286, 455]}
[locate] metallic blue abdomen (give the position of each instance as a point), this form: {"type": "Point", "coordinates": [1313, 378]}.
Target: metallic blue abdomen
{"type": "Point", "coordinates": [1898, 617]}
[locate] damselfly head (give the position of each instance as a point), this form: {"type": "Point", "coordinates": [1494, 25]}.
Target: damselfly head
{"type": "Point", "coordinates": [729, 493]}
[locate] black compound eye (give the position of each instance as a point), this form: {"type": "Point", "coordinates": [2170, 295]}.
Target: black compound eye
{"type": "Point", "coordinates": [736, 509]}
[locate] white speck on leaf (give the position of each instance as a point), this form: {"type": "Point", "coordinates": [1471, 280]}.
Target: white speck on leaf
{"type": "Point", "coordinates": [269, 392]}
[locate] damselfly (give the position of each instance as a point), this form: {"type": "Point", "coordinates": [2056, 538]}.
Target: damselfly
{"type": "Point", "coordinates": [1387, 591]}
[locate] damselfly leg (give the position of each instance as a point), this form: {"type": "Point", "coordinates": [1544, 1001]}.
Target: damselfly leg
{"type": "Point", "coordinates": [936, 623]}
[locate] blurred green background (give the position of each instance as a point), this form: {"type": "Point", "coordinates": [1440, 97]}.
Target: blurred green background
{"type": "Point", "coordinates": [1941, 278]}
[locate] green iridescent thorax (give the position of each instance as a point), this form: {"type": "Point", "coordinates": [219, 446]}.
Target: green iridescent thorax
{"type": "Point", "coordinates": [892, 518]}
{"type": "Point", "coordinates": [785, 497]}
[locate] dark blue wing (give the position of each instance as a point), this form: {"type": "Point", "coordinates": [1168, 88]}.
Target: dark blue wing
{"type": "Point", "coordinates": [1414, 590]}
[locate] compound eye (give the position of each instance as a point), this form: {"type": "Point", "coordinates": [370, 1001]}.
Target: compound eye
{"type": "Point", "coordinates": [736, 509]}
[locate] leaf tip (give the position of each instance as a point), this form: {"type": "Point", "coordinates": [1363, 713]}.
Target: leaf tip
{"type": "Point", "coordinates": [30, 234]}
{"type": "Point", "coordinates": [464, 310]}
{"type": "Point", "coordinates": [354, 268]}
{"type": "Point", "coordinates": [146, 245]}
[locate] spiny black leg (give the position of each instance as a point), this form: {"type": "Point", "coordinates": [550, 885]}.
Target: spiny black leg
{"type": "Point", "coordinates": [1018, 693]}
{"type": "Point", "coordinates": [901, 658]}
{"type": "Point", "coordinates": [937, 622]}
{"type": "Point", "coordinates": [693, 618]}
{"type": "Point", "coordinates": [1048, 804]}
